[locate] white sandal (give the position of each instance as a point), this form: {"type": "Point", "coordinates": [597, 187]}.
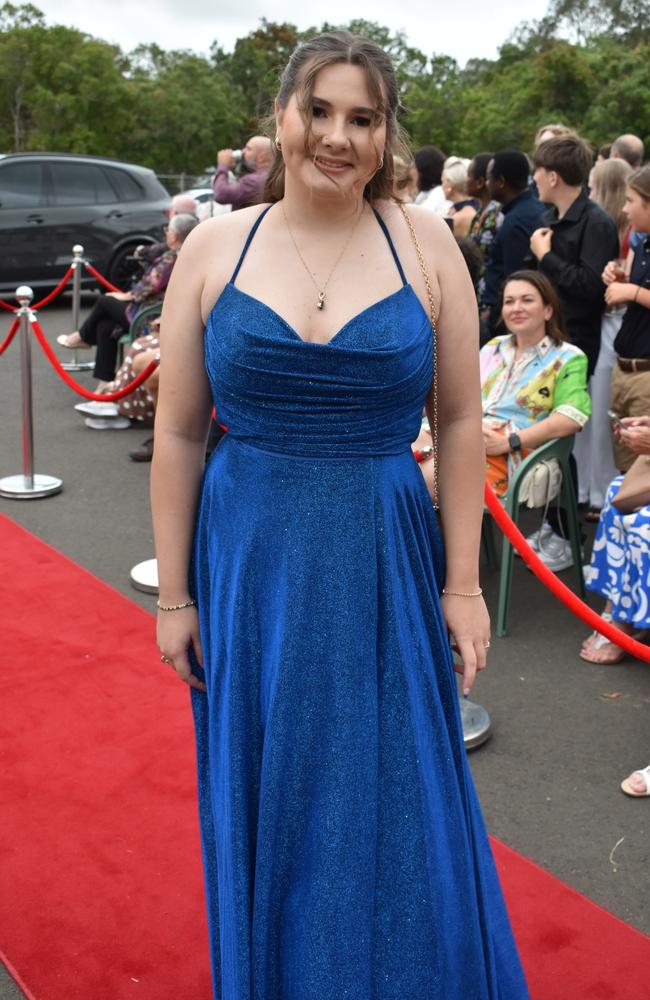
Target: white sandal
{"type": "Point", "coordinates": [607, 617]}
{"type": "Point", "coordinates": [629, 790]}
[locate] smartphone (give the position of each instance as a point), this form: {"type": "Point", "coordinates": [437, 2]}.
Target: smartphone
{"type": "Point", "coordinates": [615, 419]}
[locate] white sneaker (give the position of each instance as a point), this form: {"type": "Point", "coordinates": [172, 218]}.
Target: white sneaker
{"type": "Point", "coordinates": [555, 551]}
{"type": "Point", "coordinates": [108, 423]}
{"type": "Point", "coordinates": [543, 533]}
{"type": "Point", "coordinates": [93, 408]}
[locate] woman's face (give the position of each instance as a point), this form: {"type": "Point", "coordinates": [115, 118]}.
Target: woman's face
{"type": "Point", "coordinates": [347, 140]}
{"type": "Point", "coordinates": [637, 210]}
{"type": "Point", "coordinates": [524, 310]}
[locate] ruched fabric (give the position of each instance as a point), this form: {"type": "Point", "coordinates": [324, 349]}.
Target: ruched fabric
{"type": "Point", "coordinates": [344, 849]}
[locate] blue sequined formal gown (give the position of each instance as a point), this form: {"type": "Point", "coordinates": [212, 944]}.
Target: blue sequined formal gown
{"type": "Point", "coordinates": [344, 849]}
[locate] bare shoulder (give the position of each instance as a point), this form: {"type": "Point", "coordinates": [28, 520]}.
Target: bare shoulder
{"type": "Point", "coordinates": [432, 231]}
{"type": "Point", "coordinates": [211, 251]}
{"type": "Point", "coordinates": [222, 231]}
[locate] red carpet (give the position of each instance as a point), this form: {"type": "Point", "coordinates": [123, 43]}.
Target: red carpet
{"type": "Point", "coordinates": [100, 879]}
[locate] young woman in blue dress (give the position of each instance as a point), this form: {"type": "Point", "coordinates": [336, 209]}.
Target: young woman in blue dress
{"type": "Point", "coordinates": [303, 594]}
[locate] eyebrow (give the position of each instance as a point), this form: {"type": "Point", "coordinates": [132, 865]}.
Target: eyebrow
{"type": "Point", "coordinates": [361, 110]}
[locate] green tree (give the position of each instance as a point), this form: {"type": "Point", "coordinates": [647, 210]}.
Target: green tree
{"type": "Point", "coordinates": [183, 111]}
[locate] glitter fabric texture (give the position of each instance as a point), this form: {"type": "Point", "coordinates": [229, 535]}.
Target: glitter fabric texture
{"type": "Point", "coordinates": [344, 849]}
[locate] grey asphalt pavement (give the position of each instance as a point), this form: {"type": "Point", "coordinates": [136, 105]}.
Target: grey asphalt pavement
{"type": "Point", "coordinates": [565, 732]}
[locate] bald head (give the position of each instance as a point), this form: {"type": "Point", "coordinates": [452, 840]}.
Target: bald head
{"type": "Point", "coordinates": [258, 152]}
{"type": "Point", "coordinates": [182, 204]}
{"type": "Point", "coordinates": [629, 148]}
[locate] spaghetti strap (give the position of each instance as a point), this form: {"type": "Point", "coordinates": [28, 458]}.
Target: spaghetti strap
{"type": "Point", "coordinates": [392, 246]}
{"type": "Point", "coordinates": [248, 242]}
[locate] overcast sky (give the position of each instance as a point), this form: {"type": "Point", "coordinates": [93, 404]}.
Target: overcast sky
{"type": "Point", "coordinates": [473, 29]}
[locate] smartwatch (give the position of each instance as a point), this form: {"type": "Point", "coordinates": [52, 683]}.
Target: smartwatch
{"type": "Point", "coordinates": [514, 442]}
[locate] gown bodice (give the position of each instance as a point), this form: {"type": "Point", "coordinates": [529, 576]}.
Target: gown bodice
{"type": "Point", "coordinates": [361, 393]}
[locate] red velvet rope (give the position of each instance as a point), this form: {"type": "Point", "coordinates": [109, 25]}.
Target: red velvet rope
{"type": "Point", "coordinates": [101, 397]}
{"type": "Point", "coordinates": [56, 291]}
{"type": "Point", "coordinates": [557, 588]}
{"type": "Point", "coordinates": [48, 298]}
{"type": "Point", "coordinates": [102, 280]}
{"type": "Point", "coordinates": [13, 329]}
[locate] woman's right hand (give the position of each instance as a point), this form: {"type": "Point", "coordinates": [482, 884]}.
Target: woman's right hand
{"type": "Point", "coordinates": [176, 633]}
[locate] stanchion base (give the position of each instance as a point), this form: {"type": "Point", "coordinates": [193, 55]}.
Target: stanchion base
{"type": "Point", "coordinates": [477, 726]}
{"type": "Point", "coordinates": [19, 487]}
{"type": "Point", "coordinates": [77, 366]}
{"type": "Point", "coordinates": [144, 576]}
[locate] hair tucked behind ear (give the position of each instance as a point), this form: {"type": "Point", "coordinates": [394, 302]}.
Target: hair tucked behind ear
{"type": "Point", "coordinates": [298, 78]}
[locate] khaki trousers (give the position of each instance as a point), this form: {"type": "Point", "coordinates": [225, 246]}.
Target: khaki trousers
{"type": "Point", "coordinates": [630, 397]}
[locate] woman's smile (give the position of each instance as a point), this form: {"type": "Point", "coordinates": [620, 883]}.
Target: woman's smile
{"type": "Point", "coordinates": [331, 165]}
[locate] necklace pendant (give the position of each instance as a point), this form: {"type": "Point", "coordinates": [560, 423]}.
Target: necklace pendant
{"type": "Point", "coordinates": [321, 300]}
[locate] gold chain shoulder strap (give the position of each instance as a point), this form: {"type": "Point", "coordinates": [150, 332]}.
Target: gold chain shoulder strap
{"type": "Point", "coordinates": [433, 317]}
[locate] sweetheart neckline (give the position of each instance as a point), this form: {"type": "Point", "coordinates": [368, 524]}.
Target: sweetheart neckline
{"type": "Point", "coordinates": [319, 343]}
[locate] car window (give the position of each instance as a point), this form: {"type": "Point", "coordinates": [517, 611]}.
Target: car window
{"type": "Point", "coordinates": [21, 185]}
{"type": "Point", "coordinates": [79, 184]}
{"type": "Point", "coordinates": [126, 186]}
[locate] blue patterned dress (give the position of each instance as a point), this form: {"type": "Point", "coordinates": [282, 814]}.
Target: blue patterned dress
{"type": "Point", "coordinates": [344, 848]}
{"type": "Point", "coordinates": [620, 561]}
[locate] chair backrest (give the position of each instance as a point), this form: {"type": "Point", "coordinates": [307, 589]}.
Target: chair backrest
{"type": "Point", "coordinates": [142, 319]}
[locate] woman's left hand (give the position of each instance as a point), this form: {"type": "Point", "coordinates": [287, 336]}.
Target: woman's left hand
{"type": "Point", "coordinates": [120, 296]}
{"type": "Point", "coordinates": [496, 443]}
{"type": "Point", "coordinates": [469, 626]}
{"type": "Point", "coordinates": [620, 291]}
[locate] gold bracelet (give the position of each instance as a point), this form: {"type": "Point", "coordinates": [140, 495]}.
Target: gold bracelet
{"type": "Point", "coordinates": [175, 607]}
{"type": "Point", "coordinates": [456, 593]}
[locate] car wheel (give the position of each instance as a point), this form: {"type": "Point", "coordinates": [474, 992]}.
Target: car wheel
{"type": "Point", "coordinates": [124, 267]}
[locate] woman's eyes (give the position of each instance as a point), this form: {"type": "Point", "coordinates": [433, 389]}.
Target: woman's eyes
{"type": "Point", "coordinates": [361, 120]}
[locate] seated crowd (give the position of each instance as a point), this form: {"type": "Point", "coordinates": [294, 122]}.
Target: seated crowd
{"type": "Point", "coordinates": [558, 246]}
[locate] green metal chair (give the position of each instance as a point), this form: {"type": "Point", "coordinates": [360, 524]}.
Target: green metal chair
{"type": "Point", "coordinates": [560, 449]}
{"type": "Point", "coordinates": [137, 329]}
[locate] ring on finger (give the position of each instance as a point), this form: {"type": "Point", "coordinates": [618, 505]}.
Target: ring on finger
{"type": "Point", "coordinates": [165, 659]}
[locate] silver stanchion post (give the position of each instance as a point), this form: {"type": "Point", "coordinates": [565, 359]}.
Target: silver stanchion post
{"type": "Point", "coordinates": [77, 264]}
{"type": "Point", "coordinates": [476, 724]}
{"type": "Point", "coordinates": [30, 484]}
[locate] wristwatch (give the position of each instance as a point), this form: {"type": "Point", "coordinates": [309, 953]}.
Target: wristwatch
{"type": "Point", "coordinates": [514, 442]}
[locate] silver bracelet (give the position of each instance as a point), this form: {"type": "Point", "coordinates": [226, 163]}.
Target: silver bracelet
{"type": "Point", "coordinates": [456, 593]}
{"type": "Point", "coordinates": [175, 607]}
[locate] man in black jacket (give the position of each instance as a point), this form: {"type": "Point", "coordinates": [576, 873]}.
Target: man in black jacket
{"type": "Point", "coordinates": [507, 182]}
{"type": "Point", "coordinates": [576, 240]}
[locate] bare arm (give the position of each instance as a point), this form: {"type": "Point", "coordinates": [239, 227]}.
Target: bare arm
{"type": "Point", "coordinates": [556, 425]}
{"type": "Point", "coordinates": [182, 422]}
{"type": "Point", "coordinates": [461, 455]}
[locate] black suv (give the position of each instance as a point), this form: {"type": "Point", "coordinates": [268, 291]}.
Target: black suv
{"type": "Point", "coordinates": [50, 201]}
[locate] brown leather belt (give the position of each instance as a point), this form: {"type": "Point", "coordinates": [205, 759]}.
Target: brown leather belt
{"type": "Point", "coordinates": [634, 364]}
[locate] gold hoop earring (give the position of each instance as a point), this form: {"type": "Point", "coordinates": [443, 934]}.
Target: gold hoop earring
{"type": "Point", "coordinates": [278, 144]}
{"type": "Point", "coordinates": [381, 163]}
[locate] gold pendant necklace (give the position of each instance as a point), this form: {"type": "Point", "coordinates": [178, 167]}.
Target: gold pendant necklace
{"type": "Point", "coordinates": [321, 291]}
